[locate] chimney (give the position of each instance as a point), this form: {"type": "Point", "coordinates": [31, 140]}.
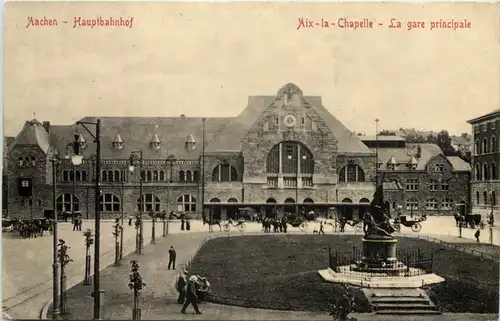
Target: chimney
{"type": "Point", "coordinates": [419, 151]}
{"type": "Point", "coordinates": [46, 125]}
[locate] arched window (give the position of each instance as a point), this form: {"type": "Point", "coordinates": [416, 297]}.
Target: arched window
{"type": "Point", "coordinates": [189, 177]}
{"type": "Point", "coordinates": [364, 200]}
{"type": "Point", "coordinates": [412, 204]}
{"type": "Point", "coordinates": [71, 175]}
{"type": "Point", "coordinates": [111, 176]}
{"type": "Point", "coordinates": [78, 176]}
{"type": "Point", "coordinates": [104, 176]}
{"type": "Point", "coordinates": [485, 198]}
{"type": "Point", "coordinates": [196, 176]}
{"type": "Point", "coordinates": [346, 200]}
{"type": "Point", "coordinates": [150, 202]}
{"type": "Point", "coordinates": [351, 173]}
{"type": "Point", "coordinates": [493, 170]}
{"type": "Point", "coordinates": [289, 201]}
{"type": "Point", "coordinates": [431, 204]}
{"type": "Point", "coordinates": [156, 175]}
{"type": "Point", "coordinates": [187, 203]}
{"type": "Point", "coordinates": [143, 176]}
{"type": "Point", "coordinates": [109, 203]}
{"type": "Point", "coordinates": [117, 176]}
{"type": "Point", "coordinates": [478, 147]}
{"type": "Point", "coordinates": [493, 147]}
{"type": "Point", "coordinates": [485, 172]}
{"type": "Point", "coordinates": [493, 198]}
{"type": "Point", "coordinates": [65, 176]}
{"type": "Point", "coordinates": [67, 203]}
{"type": "Point", "coordinates": [308, 200]}
{"type": "Point", "coordinates": [290, 157]}
{"type": "Point", "coordinates": [478, 172]}
{"type": "Point", "coordinates": [447, 204]}
{"type": "Point", "coordinates": [215, 200]}
{"type": "Point", "coordinates": [149, 178]}
{"type": "Point", "coordinates": [224, 173]}
{"type": "Point", "coordinates": [485, 146]}
{"type": "Point", "coordinates": [162, 176]}
{"type": "Point", "coordinates": [84, 176]}
{"type": "Point", "coordinates": [182, 178]}
{"type": "Point", "coordinates": [271, 200]}
{"type": "Point", "coordinates": [477, 198]}
{"type": "Point", "coordinates": [232, 200]}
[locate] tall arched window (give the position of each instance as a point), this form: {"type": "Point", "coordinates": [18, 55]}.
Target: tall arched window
{"type": "Point", "coordinates": [351, 173]}
{"type": "Point", "coordinates": [485, 172]}
{"type": "Point", "coordinates": [189, 176]}
{"type": "Point", "coordinates": [149, 176]}
{"type": "Point", "coordinates": [493, 170]}
{"type": "Point", "coordinates": [65, 176]}
{"type": "Point", "coordinates": [155, 176]}
{"type": "Point", "coordinates": [111, 176]}
{"type": "Point", "coordinates": [187, 203]}
{"type": "Point", "coordinates": [224, 173]}
{"type": "Point", "coordinates": [493, 198]}
{"type": "Point", "coordinates": [196, 176]}
{"type": "Point", "coordinates": [478, 172]}
{"type": "Point", "coordinates": [290, 157]}
{"type": "Point", "coordinates": [493, 147]}
{"type": "Point", "coordinates": [162, 176]}
{"type": "Point", "coordinates": [478, 147]}
{"type": "Point", "coordinates": [485, 146]}
{"type": "Point", "coordinates": [485, 198]}
{"type": "Point", "coordinates": [182, 176]}
{"type": "Point", "coordinates": [109, 203]}
{"type": "Point", "coordinates": [84, 176]}
{"type": "Point", "coordinates": [78, 176]}
{"type": "Point", "coordinates": [477, 198]}
{"type": "Point", "coordinates": [150, 202]}
{"type": "Point", "coordinates": [67, 203]}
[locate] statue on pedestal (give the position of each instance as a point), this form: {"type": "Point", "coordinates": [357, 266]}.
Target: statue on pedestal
{"type": "Point", "coordinates": [377, 221]}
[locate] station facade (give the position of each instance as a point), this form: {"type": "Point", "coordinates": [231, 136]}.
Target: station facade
{"type": "Point", "coordinates": [282, 153]}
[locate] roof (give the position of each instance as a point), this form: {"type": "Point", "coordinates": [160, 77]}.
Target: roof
{"type": "Point", "coordinates": [33, 133]}
{"type": "Point", "coordinates": [137, 133]}
{"type": "Point", "coordinates": [382, 138]}
{"type": "Point", "coordinates": [405, 155]}
{"type": "Point", "coordinates": [491, 114]}
{"type": "Point", "coordinates": [459, 164]}
{"type": "Point", "coordinates": [392, 186]}
{"type": "Point", "coordinates": [231, 137]}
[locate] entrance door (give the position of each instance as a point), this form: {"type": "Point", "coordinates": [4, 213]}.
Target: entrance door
{"type": "Point", "coordinates": [346, 210]}
{"type": "Point", "coordinates": [216, 209]}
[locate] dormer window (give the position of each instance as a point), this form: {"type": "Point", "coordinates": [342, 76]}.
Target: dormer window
{"type": "Point", "coordinates": [392, 163]}
{"type": "Point", "coordinates": [33, 161]}
{"type": "Point", "coordinates": [439, 168]}
{"type": "Point", "coordinates": [155, 142]}
{"type": "Point", "coordinates": [81, 141]}
{"type": "Point", "coordinates": [190, 144]}
{"type": "Point", "coordinates": [118, 142]}
{"type": "Point", "coordinates": [413, 163]}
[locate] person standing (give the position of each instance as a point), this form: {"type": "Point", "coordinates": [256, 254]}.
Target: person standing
{"type": "Point", "coordinates": [321, 228]}
{"type": "Point", "coordinates": [191, 295]}
{"type": "Point", "coordinates": [477, 234]}
{"type": "Point", "coordinates": [182, 286]}
{"type": "Point", "coordinates": [171, 257]}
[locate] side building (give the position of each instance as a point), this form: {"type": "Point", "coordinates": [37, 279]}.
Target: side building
{"type": "Point", "coordinates": [418, 178]}
{"type": "Point", "coordinates": [485, 184]}
{"type": "Point", "coordinates": [282, 153]}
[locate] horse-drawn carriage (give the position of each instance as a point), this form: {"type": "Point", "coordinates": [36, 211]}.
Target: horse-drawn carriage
{"type": "Point", "coordinates": [413, 224]}
{"type": "Point", "coordinates": [470, 220]}
{"type": "Point", "coordinates": [28, 228]}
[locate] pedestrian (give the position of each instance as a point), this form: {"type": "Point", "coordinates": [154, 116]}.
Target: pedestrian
{"type": "Point", "coordinates": [477, 234]}
{"type": "Point", "coordinates": [321, 228]}
{"type": "Point", "coordinates": [182, 224]}
{"type": "Point", "coordinates": [188, 225]}
{"type": "Point", "coordinates": [130, 221]}
{"type": "Point", "coordinates": [79, 222]}
{"type": "Point", "coordinates": [191, 295]}
{"type": "Point", "coordinates": [181, 286]}
{"type": "Point", "coordinates": [171, 257]}
{"type": "Point", "coordinates": [203, 290]}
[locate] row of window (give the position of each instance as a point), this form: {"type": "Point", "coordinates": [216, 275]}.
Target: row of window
{"type": "Point", "coordinates": [485, 172]}
{"type": "Point", "coordinates": [412, 185]}
{"type": "Point", "coordinates": [351, 173]}
{"type": "Point", "coordinates": [120, 176]}
{"type": "Point", "coordinates": [27, 161]}
{"type": "Point", "coordinates": [484, 127]}
{"type": "Point", "coordinates": [111, 203]}
{"type": "Point", "coordinates": [430, 204]}
{"type": "Point", "coordinates": [488, 199]}
{"type": "Point", "coordinates": [486, 147]}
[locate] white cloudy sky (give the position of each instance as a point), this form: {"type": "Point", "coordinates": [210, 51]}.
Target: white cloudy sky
{"type": "Point", "coordinates": [206, 59]}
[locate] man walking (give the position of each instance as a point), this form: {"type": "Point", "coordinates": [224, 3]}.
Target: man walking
{"type": "Point", "coordinates": [182, 286]}
{"type": "Point", "coordinates": [171, 257]}
{"type": "Point", "coordinates": [321, 231]}
{"type": "Point", "coordinates": [476, 235]}
{"type": "Point", "coordinates": [191, 295]}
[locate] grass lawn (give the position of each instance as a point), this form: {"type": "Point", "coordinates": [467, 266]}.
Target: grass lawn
{"type": "Point", "coordinates": [280, 272]}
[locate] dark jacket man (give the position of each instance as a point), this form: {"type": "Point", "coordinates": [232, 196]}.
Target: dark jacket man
{"type": "Point", "coordinates": [171, 258]}
{"type": "Point", "coordinates": [191, 296]}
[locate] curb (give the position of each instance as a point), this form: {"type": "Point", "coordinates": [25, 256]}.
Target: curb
{"type": "Point", "coordinates": [45, 311]}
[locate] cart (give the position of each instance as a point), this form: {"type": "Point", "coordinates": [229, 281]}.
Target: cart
{"type": "Point", "coordinates": [413, 224]}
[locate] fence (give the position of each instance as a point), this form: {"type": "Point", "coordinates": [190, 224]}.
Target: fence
{"type": "Point", "coordinates": [416, 262]}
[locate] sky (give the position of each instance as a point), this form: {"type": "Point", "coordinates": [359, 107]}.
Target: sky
{"type": "Point", "coordinates": [205, 59]}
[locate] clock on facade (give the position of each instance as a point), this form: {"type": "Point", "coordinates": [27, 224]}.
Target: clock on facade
{"type": "Point", "coordinates": [290, 120]}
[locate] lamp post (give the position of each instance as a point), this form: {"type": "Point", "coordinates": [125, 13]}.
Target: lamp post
{"type": "Point", "coordinates": [121, 227]}
{"type": "Point", "coordinates": [376, 151]}
{"type": "Point", "coordinates": [153, 214]}
{"type": "Point", "coordinates": [55, 242]}
{"type": "Point", "coordinates": [136, 158]}
{"type": "Point", "coordinates": [76, 159]}
{"type": "Point", "coordinates": [203, 120]}
{"type": "Point", "coordinates": [170, 161]}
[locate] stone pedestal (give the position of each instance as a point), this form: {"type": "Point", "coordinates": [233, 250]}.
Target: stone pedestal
{"type": "Point", "coordinates": [379, 255]}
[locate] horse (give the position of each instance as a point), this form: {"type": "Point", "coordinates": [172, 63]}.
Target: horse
{"type": "Point", "coordinates": [211, 223]}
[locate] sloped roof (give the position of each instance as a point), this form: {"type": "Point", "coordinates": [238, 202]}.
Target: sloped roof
{"type": "Point", "coordinates": [382, 138]}
{"type": "Point", "coordinates": [231, 137]}
{"type": "Point", "coordinates": [484, 117]}
{"type": "Point", "coordinates": [32, 133]}
{"type": "Point", "coordinates": [392, 186]}
{"type": "Point", "coordinates": [136, 133]}
{"type": "Point", "coordinates": [459, 164]}
{"type": "Point", "coordinates": [404, 155]}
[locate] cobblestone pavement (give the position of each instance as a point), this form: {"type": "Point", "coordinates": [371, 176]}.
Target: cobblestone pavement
{"type": "Point", "coordinates": [33, 268]}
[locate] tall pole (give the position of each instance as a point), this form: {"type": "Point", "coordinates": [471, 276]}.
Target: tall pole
{"type": "Point", "coordinates": [121, 234]}
{"type": "Point", "coordinates": [153, 216]}
{"type": "Point", "coordinates": [73, 197]}
{"type": "Point", "coordinates": [297, 189]}
{"type": "Point", "coordinates": [376, 151]}
{"type": "Point", "coordinates": [203, 171]}
{"type": "Point", "coordinates": [97, 243]}
{"type": "Point", "coordinates": [141, 203]}
{"type": "Point", "coordinates": [55, 264]}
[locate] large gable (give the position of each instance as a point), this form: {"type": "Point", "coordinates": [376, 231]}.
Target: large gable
{"type": "Point", "coordinates": [32, 134]}
{"type": "Point", "coordinates": [231, 138]}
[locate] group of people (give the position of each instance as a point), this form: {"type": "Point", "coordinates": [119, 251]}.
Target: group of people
{"type": "Point", "coordinates": [192, 290]}
{"type": "Point", "coordinates": [77, 223]}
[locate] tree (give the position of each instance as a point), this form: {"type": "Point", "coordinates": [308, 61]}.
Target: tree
{"type": "Point", "coordinates": [443, 140]}
{"type": "Point", "coordinates": [386, 132]}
